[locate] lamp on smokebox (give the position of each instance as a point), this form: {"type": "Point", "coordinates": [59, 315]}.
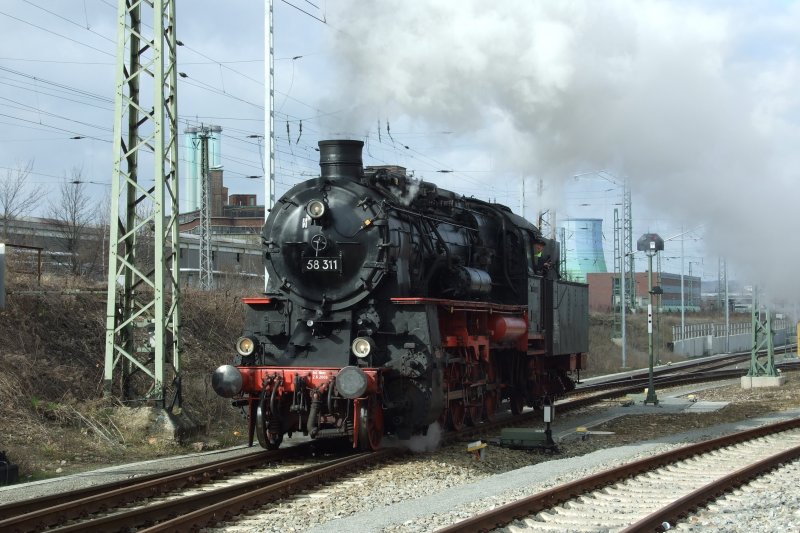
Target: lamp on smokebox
{"type": "Point", "coordinates": [650, 244]}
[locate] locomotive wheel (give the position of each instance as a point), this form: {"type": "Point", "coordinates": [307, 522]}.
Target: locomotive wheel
{"type": "Point", "coordinates": [370, 427]}
{"type": "Point", "coordinates": [490, 405]}
{"type": "Point", "coordinates": [268, 437]}
{"type": "Point", "coordinates": [455, 415]}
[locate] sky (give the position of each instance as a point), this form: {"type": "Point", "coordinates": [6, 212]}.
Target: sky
{"type": "Point", "coordinates": [693, 104]}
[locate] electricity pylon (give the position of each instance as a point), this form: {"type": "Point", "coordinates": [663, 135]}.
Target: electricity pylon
{"type": "Point", "coordinates": [143, 313]}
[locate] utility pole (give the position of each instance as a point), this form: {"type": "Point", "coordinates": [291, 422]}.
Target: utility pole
{"type": "Point", "coordinates": [724, 280]}
{"type": "Point", "coordinates": [206, 267]}
{"type": "Point", "coordinates": [616, 285]}
{"type": "Point", "coordinates": [720, 283]}
{"type": "Point", "coordinates": [627, 233]}
{"type": "Point", "coordinates": [142, 324]}
{"type": "Point", "coordinates": [269, 112]}
{"type": "Point", "coordinates": [683, 301]}
{"type": "Point", "coordinates": [658, 301]}
{"type": "Point", "coordinates": [619, 263]}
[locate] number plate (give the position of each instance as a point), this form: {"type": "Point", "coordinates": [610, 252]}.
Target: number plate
{"type": "Point", "coordinates": [322, 264]}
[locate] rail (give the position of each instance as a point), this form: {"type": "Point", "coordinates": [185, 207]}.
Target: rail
{"type": "Point", "coordinates": [548, 499]}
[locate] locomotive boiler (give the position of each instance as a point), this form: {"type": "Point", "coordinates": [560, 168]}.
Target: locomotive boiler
{"type": "Point", "coordinates": [392, 304]}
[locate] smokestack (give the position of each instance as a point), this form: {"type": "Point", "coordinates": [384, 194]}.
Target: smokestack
{"type": "Point", "coordinates": [341, 159]}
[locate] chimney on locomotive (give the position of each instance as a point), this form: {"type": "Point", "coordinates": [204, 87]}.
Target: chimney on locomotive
{"type": "Point", "coordinates": [341, 159]}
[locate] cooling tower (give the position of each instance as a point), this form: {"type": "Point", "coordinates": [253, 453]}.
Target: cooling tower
{"type": "Point", "coordinates": [190, 195]}
{"type": "Point", "coordinates": [583, 247]}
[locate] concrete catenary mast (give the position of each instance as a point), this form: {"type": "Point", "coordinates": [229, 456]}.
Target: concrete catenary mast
{"type": "Point", "coordinates": [269, 114]}
{"type": "Point", "coordinates": [143, 313]}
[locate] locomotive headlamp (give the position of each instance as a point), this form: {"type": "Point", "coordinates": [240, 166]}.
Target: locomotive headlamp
{"type": "Point", "coordinates": [351, 382]}
{"type": "Point", "coordinates": [227, 381]}
{"type": "Point", "coordinates": [315, 208]}
{"type": "Point", "coordinates": [362, 347]}
{"type": "Point", "coordinates": [245, 346]}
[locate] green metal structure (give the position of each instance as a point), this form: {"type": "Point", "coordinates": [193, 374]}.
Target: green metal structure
{"type": "Point", "coordinates": [762, 365]}
{"type": "Point", "coordinates": [142, 355]}
{"type": "Point", "coordinates": [616, 291]}
{"type": "Point", "coordinates": [627, 221]}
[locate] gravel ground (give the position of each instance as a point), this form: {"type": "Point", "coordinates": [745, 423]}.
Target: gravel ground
{"type": "Point", "coordinates": [428, 490]}
{"type": "Point", "coordinates": [768, 504]}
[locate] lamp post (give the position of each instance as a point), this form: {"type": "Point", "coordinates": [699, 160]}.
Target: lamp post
{"type": "Point", "coordinates": [651, 244]}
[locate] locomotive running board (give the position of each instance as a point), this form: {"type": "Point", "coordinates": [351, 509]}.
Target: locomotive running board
{"type": "Point", "coordinates": [462, 305]}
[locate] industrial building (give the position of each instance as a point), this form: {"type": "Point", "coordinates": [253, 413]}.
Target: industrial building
{"type": "Point", "coordinates": [192, 176]}
{"type": "Point", "coordinates": [42, 246]}
{"type": "Point", "coordinates": [236, 216]}
{"type": "Point", "coordinates": [234, 222]}
{"type": "Point", "coordinates": [38, 243]}
{"type": "Point", "coordinates": [602, 285]}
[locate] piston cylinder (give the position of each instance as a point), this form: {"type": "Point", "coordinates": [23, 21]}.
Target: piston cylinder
{"type": "Point", "coordinates": [507, 328]}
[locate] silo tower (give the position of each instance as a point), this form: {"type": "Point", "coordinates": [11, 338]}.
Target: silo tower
{"type": "Point", "coordinates": [583, 247]}
{"type": "Point", "coordinates": [190, 195]}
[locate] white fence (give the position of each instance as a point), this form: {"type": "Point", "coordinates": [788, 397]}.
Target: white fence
{"type": "Point", "coordinates": [693, 331]}
{"type": "Point", "coordinates": [709, 339]}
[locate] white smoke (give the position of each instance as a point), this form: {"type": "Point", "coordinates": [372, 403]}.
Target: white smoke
{"type": "Point", "coordinates": [417, 443]}
{"type": "Point", "coordinates": [696, 103]}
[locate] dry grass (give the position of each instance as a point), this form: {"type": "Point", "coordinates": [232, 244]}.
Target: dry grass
{"type": "Point", "coordinates": [51, 371]}
{"type": "Point", "coordinates": [606, 357]}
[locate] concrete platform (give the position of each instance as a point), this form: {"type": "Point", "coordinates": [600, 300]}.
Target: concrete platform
{"type": "Point", "coordinates": [676, 401]}
{"type": "Point", "coordinates": [754, 382]}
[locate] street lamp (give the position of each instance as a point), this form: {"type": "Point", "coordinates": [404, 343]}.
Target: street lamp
{"type": "Point", "coordinates": [651, 244]}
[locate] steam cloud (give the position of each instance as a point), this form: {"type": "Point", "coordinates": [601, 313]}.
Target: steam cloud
{"type": "Point", "coordinates": [417, 443]}
{"type": "Point", "coordinates": [695, 103]}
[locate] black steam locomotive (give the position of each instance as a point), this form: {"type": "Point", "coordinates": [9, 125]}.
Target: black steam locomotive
{"type": "Point", "coordinates": [392, 304]}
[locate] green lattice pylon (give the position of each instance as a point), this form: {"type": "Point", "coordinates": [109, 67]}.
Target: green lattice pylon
{"type": "Point", "coordinates": [764, 364]}
{"type": "Point", "coordinates": [142, 357]}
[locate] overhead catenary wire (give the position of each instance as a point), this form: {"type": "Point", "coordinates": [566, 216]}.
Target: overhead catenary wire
{"type": "Point", "coordinates": [87, 28]}
{"type": "Point", "coordinates": [104, 52]}
{"type": "Point", "coordinates": [296, 154]}
{"type": "Point", "coordinates": [304, 11]}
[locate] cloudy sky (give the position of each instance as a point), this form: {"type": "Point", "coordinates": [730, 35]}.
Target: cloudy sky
{"type": "Point", "coordinates": [694, 104]}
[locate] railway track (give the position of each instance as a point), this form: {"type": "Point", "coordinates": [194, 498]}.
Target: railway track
{"type": "Point", "coordinates": [201, 496]}
{"type": "Point", "coordinates": [698, 368]}
{"type": "Point", "coordinates": [194, 495]}
{"type": "Point", "coordinates": [649, 494]}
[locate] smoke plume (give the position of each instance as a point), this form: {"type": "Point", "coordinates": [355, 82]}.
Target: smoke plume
{"type": "Point", "coordinates": [695, 103]}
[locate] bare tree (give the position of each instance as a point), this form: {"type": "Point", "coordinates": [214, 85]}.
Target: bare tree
{"type": "Point", "coordinates": [75, 215]}
{"type": "Point", "coordinates": [16, 198]}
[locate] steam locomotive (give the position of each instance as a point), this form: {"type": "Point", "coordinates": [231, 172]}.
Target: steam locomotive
{"type": "Point", "coordinates": [393, 304]}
